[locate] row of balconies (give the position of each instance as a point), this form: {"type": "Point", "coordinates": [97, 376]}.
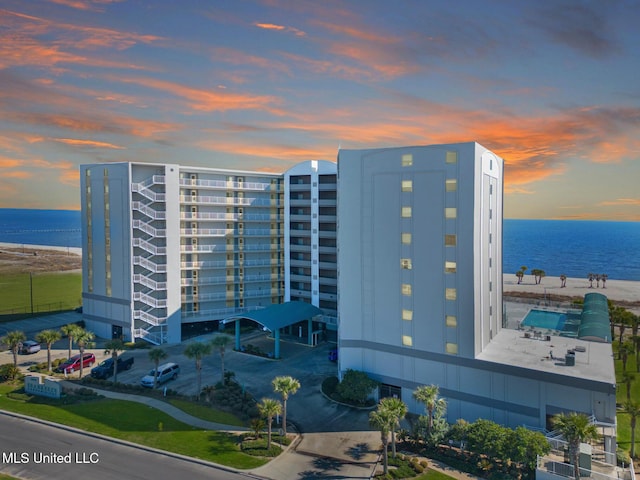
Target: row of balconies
{"type": "Point", "coordinates": [228, 248]}
{"type": "Point", "coordinates": [221, 216]}
{"type": "Point", "coordinates": [224, 279]}
{"type": "Point", "coordinates": [217, 296]}
{"type": "Point", "coordinates": [296, 217]}
{"type": "Point", "coordinates": [228, 185]}
{"type": "Point", "coordinates": [305, 187]}
{"type": "Point", "coordinates": [306, 202]}
{"type": "Point", "coordinates": [223, 232]}
{"type": "Point", "coordinates": [331, 297]}
{"type": "Point", "coordinates": [233, 201]}
{"type": "Point", "coordinates": [307, 264]}
{"type": "Point", "coordinates": [305, 248]}
{"type": "Point", "coordinates": [294, 232]}
{"type": "Point", "coordinates": [307, 278]}
{"type": "Point", "coordinates": [262, 262]}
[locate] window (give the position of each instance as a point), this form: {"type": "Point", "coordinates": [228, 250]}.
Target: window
{"type": "Point", "coordinates": [451, 184]}
{"type": "Point", "coordinates": [406, 212]}
{"type": "Point", "coordinates": [407, 185]}
{"type": "Point", "coordinates": [450, 267]}
{"type": "Point", "coordinates": [406, 289]}
{"type": "Point", "coordinates": [450, 212]}
{"type": "Point", "coordinates": [405, 263]}
{"type": "Point", "coordinates": [452, 157]}
{"type": "Point", "coordinates": [450, 240]}
{"type": "Point", "coordinates": [406, 238]}
{"type": "Point", "coordinates": [407, 315]}
{"type": "Point", "coordinates": [451, 321]}
{"type": "Point", "coordinates": [407, 341]}
{"type": "Point", "coordinates": [450, 293]}
{"type": "Point", "coordinates": [407, 160]}
{"type": "Point", "coordinates": [452, 348]}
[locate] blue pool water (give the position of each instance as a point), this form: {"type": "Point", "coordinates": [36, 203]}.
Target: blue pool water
{"type": "Point", "coordinates": [544, 319]}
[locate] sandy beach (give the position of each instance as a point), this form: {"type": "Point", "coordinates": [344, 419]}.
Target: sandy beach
{"type": "Point", "coordinates": [616, 290]}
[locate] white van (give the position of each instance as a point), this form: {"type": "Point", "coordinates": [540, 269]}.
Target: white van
{"type": "Point", "coordinates": [166, 372]}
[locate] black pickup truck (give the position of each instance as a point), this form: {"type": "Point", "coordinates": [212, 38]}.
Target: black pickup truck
{"type": "Point", "coordinates": [105, 368]}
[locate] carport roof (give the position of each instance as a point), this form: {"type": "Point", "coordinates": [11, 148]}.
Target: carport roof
{"type": "Point", "coordinates": [280, 315]}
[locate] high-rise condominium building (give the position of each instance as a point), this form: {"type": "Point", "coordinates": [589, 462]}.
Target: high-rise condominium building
{"type": "Point", "coordinates": [168, 245]}
{"type": "Point", "coordinates": [420, 292]}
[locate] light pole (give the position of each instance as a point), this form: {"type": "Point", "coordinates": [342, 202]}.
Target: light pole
{"type": "Point", "coordinates": [31, 290]}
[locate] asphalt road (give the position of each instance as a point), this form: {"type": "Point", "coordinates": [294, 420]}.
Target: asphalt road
{"type": "Point", "coordinates": [25, 444]}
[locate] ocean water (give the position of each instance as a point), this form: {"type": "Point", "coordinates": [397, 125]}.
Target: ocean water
{"type": "Point", "coordinates": [574, 248]}
{"type": "Point", "coordinates": [59, 228]}
{"type": "Point", "coordinates": [571, 247]}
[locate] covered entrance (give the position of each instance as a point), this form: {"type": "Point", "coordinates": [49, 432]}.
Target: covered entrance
{"type": "Point", "coordinates": [297, 318]}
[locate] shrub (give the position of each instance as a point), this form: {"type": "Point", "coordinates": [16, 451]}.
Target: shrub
{"type": "Point", "coordinates": [9, 372]}
{"type": "Point", "coordinates": [329, 385]}
{"type": "Point", "coordinates": [355, 387]}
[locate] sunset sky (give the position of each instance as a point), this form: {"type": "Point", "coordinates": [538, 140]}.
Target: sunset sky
{"type": "Point", "coordinates": [551, 86]}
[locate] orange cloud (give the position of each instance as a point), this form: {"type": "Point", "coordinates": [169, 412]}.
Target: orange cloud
{"type": "Point", "coordinates": [90, 5]}
{"type": "Point", "coordinates": [87, 143]}
{"type": "Point", "coordinates": [26, 42]}
{"type": "Point", "coordinates": [206, 100]}
{"type": "Point", "coordinates": [17, 174]}
{"type": "Point", "coordinates": [622, 201]}
{"type": "Point", "coordinates": [271, 26]}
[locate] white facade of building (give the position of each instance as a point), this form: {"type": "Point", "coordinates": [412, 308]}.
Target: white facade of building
{"type": "Point", "coordinates": [310, 237]}
{"type": "Point", "coordinates": [167, 245]}
{"type": "Point", "coordinates": [420, 289]}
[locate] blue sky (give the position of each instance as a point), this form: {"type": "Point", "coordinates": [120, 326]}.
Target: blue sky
{"type": "Point", "coordinates": [551, 86]}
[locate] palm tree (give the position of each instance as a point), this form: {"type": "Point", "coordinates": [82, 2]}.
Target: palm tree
{"type": "Point", "coordinates": [84, 339]}
{"type": "Point", "coordinates": [428, 395]}
{"type": "Point", "coordinates": [113, 347]}
{"type": "Point", "coordinates": [156, 355]}
{"type": "Point", "coordinates": [632, 408]}
{"type": "Point", "coordinates": [269, 408]}
{"type": "Point", "coordinates": [383, 420]}
{"type": "Point", "coordinates": [71, 330]}
{"type": "Point", "coordinates": [591, 278]}
{"type": "Point", "coordinates": [220, 342]}
{"type": "Point", "coordinates": [14, 340]}
{"type": "Point", "coordinates": [398, 409]}
{"type": "Point", "coordinates": [519, 274]}
{"type": "Point", "coordinates": [627, 379]}
{"type": "Point", "coordinates": [197, 351]}
{"type": "Point", "coordinates": [604, 277]}
{"type": "Point", "coordinates": [576, 429]}
{"type": "Point", "coordinates": [285, 386]}
{"type": "Point", "coordinates": [626, 349]}
{"type": "Point", "coordinates": [563, 280]}
{"type": "Point", "coordinates": [48, 337]}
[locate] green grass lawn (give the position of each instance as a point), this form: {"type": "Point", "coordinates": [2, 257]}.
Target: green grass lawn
{"type": "Point", "coordinates": [624, 426]}
{"type": "Point", "coordinates": [51, 292]}
{"type": "Point", "coordinates": [136, 423]}
{"type": "Point", "coordinates": [207, 413]}
{"type": "Point", "coordinates": [433, 475]}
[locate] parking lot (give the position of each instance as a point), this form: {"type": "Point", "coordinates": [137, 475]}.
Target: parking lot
{"type": "Point", "coordinates": [307, 409]}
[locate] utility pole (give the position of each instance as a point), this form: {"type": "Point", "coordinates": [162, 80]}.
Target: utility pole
{"type": "Point", "coordinates": [31, 290]}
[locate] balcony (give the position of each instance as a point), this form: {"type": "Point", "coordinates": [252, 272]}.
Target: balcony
{"type": "Point", "coordinates": [226, 185]}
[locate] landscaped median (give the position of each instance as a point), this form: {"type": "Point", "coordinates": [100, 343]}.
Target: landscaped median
{"type": "Point", "coordinates": [133, 422]}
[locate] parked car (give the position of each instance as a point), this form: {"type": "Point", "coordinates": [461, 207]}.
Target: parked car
{"type": "Point", "coordinates": [105, 368]}
{"type": "Point", "coordinates": [73, 364]}
{"type": "Point", "coordinates": [29, 346]}
{"type": "Point", "coordinates": [166, 372]}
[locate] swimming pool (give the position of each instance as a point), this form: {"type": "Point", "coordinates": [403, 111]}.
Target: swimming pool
{"type": "Point", "coordinates": [544, 319]}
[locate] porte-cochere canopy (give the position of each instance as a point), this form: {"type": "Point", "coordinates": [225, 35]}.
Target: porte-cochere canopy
{"type": "Point", "coordinates": [275, 317]}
